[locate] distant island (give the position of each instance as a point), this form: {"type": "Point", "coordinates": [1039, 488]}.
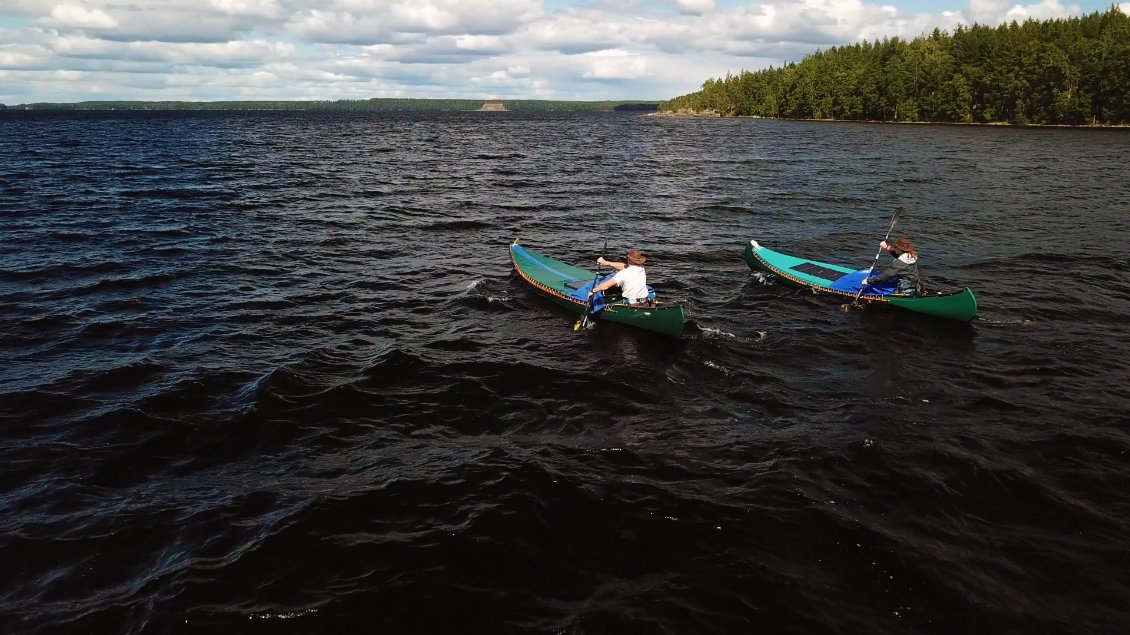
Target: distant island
{"type": "Point", "coordinates": [359, 105]}
{"type": "Point", "coordinates": [1072, 71]}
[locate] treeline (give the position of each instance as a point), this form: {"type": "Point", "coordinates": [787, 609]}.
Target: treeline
{"type": "Point", "coordinates": [1073, 71]}
{"type": "Point", "coordinates": [354, 105]}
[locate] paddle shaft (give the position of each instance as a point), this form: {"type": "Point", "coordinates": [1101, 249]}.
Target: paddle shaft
{"type": "Point", "coordinates": [592, 297]}
{"type": "Point", "coordinates": [894, 220]}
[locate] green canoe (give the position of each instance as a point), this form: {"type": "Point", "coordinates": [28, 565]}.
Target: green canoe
{"type": "Point", "coordinates": [568, 286]}
{"type": "Point", "coordinates": [822, 277]}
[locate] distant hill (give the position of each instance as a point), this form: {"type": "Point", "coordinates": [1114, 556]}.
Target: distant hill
{"type": "Point", "coordinates": [355, 105]}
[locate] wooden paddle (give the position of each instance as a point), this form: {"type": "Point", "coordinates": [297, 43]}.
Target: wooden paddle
{"type": "Point", "coordinates": [584, 320]}
{"type": "Point", "coordinates": [894, 221]}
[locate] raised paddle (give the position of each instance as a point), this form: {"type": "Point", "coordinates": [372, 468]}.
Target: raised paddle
{"type": "Point", "coordinates": [583, 322]}
{"type": "Point", "coordinates": [894, 220]}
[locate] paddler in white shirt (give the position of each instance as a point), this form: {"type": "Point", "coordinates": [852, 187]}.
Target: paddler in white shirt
{"type": "Point", "coordinates": [630, 277]}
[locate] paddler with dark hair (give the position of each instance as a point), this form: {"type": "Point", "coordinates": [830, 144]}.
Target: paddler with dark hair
{"type": "Point", "coordinates": [630, 277]}
{"type": "Point", "coordinates": [904, 266]}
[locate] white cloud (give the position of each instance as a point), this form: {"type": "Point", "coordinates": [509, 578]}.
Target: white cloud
{"type": "Point", "coordinates": [994, 12]}
{"type": "Point", "coordinates": [16, 59]}
{"type": "Point", "coordinates": [576, 32]}
{"type": "Point", "coordinates": [498, 79]}
{"type": "Point", "coordinates": [614, 64]}
{"type": "Point", "coordinates": [77, 16]}
{"type": "Point", "coordinates": [325, 26]}
{"type": "Point", "coordinates": [1042, 11]}
{"type": "Point", "coordinates": [256, 8]}
{"type": "Point", "coordinates": [218, 55]}
{"type": "Point", "coordinates": [479, 43]}
{"type": "Point", "coordinates": [570, 49]}
{"type": "Point", "coordinates": [695, 7]}
{"type": "Point", "coordinates": [452, 17]}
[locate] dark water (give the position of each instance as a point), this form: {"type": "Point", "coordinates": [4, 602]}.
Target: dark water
{"type": "Point", "coordinates": [273, 373]}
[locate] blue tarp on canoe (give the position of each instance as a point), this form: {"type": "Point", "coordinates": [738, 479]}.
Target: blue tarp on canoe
{"type": "Point", "coordinates": [582, 294]}
{"type": "Point", "coordinates": [850, 283]}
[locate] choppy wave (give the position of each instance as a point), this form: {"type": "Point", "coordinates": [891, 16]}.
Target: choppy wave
{"type": "Point", "coordinates": [272, 372]}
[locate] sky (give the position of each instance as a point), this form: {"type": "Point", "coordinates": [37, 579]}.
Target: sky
{"type": "Point", "coordinates": [207, 50]}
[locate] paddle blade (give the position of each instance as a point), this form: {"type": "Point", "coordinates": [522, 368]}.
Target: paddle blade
{"type": "Point", "coordinates": [897, 217]}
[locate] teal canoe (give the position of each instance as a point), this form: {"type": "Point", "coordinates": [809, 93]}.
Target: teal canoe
{"type": "Point", "coordinates": [822, 277]}
{"type": "Point", "coordinates": [568, 286]}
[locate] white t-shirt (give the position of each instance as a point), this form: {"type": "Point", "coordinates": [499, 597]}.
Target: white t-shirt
{"type": "Point", "coordinates": [632, 281]}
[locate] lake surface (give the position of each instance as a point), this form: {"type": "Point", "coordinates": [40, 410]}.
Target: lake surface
{"type": "Point", "coordinates": [275, 373]}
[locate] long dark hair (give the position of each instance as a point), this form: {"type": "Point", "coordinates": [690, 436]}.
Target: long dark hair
{"type": "Point", "coordinates": [904, 246]}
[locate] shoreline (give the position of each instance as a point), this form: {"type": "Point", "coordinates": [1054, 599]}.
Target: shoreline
{"type": "Point", "coordinates": [714, 115]}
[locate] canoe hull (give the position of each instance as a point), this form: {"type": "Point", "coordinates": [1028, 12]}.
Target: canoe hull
{"type": "Point", "coordinates": [959, 305]}
{"type": "Point", "coordinates": [551, 279]}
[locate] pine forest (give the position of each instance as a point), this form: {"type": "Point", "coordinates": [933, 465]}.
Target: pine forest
{"type": "Point", "coordinates": [1056, 72]}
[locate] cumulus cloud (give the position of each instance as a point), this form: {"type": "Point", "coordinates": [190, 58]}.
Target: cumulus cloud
{"type": "Point", "coordinates": [576, 32]}
{"type": "Point", "coordinates": [1042, 11]}
{"type": "Point", "coordinates": [219, 55]}
{"type": "Point", "coordinates": [567, 49]}
{"type": "Point", "coordinates": [77, 16]}
{"type": "Point", "coordinates": [614, 64]}
{"type": "Point", "coordinates": [450, 17]}
{"type": "Point", "coordinates": [249, 8]}
{"type": "Point", "coordinates": [21, 59]}
{"type": "Point", "coordinates": [501, 78]}
{"type": "Point", "coordinates": [315, 25]}
{"type": "Point", "coordinates": [997, 11]}
{"type": "Point", "coordinates": [695, 7]}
